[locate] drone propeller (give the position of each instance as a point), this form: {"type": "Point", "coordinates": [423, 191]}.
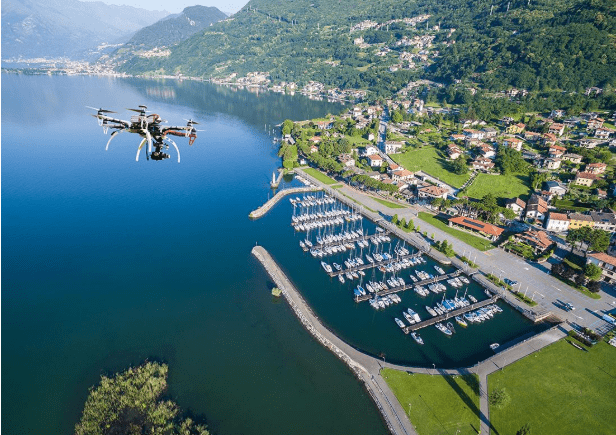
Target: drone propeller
{"type": "Point", "coordinates": [190, 122]}
{"type": "Point", "coordinates": [142, 109]}
{"type": "Point", "coordinates": [100, 110]}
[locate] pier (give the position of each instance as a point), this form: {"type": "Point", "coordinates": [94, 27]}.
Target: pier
{"type": "Point", "coordinates": [276, 181]}
{"type": "Point", "coordinates": [407, 286]}
{"type": "Point", "coordinates": [365, 266]}
{"type": "Point", "coordinates": [350, 240]}
{"type": "Point", "coordinates": [282, 193]}
{"type": "Point", "coordinates": [449, 315]}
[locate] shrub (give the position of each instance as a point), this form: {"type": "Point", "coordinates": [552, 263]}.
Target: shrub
{"type": "Point", "coordinates": [499, 398]}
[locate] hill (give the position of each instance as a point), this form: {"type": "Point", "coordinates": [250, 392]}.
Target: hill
{"type": "Point", "coordinates": [67, 28]}
{"type": "Point", "coordinates": [538, 45]}
{"type": "Point", "coordinates": [169, 31]}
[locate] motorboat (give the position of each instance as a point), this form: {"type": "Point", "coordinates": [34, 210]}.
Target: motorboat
{"type": "Point", "coordinates": [400, 322]}
{"type": "Point", "coordinates": [461, 321]}
{"type": "Point", "coordinates": [417, 338]}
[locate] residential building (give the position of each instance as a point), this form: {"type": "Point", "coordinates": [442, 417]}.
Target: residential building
{"type": "Point", "coordinates": [531, 136]}
{"type": "Point", "coordinates": [551, 163]}
{"type": "Point", "coordinates": [595, 168]}
{"type": "Point", "coordinates": [515, 204]}
{"type": "Point", "coordinates": [375, 161]}
{"type": "Point", "coordinates": [594, 124]}
{"type": "Point", "coordinates": [347, 160]}
{"type": "Point", "coordinates": [576, 159]}
{"type": "Point", "coordinates": [607, 263]}
{"type": "Point", "coordinates": [393, 147]}
{"type": "Point", "coordinates": [432, 192]}
{"type": "Point", "coordinates": [549, 139]}
{"type": "Point", "coordinates": [402, 175]}
{"type": "Point", "coordinates": [589, 143]}
{"type": "Point", "coordinates": [516, 128]}
{"type": "Point", "coordinates": [487, 151]}
{"type": "Point", "coordinates": [489, 132]}
{"type": "Point", "coordinates": [579, 220]}
{"type": "Point", "coordinates": [556, 151]}
{"type": "Point", "coordinates": [536, 207]}
{"type": "Point", "coordinates": [556, 129]}
{"type": "Point", "coordinates": [538, 240]}
{"type": "Point", "coordinates": [473, 134]}
{"type": "Point", "coordinates": [604, 221]}
{"type": "Point", "coordinates": [558, 222]}
{"type": "Point", "coordinates": [556, 188]}
{"type": "Point", "coordinates": [482, 164]}
{"type": "Point", "coordinates": [454, 151]}
{"type": "Point", "coordinates": [370, 150]}
{"type": "Point", "coordinates": [314, 149]}
{"type": "Point", "coordinates": [490, 231]}
{"type": "Point", "coordinates": [585, 179]}
{"type": "Point", "coordinates": [513, 143]}
{"type": "Point", "coordinates": [603, 133]}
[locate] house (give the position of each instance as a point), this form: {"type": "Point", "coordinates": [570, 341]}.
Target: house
{"type": "Point", "coordinates": [551, 163]}
{"type": "Point", "coordinates": [557, 113]}
{"type": "Point", "coordinates": [347, 160]}
{"type": "Point", "coordinates": [607, 263]}
{"type": "Point", "coordinates": [432, 192]}
{"type": "Point", "coordinates": [506, 120]}
{"type": "Point", "coordinates": [555, 188]}
{"type": "Point", "coordinates": [536, 207]}
{"type": "Point", "coordinates": [529, 155]}
{"type": "Point", "coordinates": [457, 137]}
{"type": "Point", "coordinates": [490, 231]}
{"type": "Point", "coordinates": [516, 128]}
{"type": "Point", "coordinates": [572, 158]}
{"type": "Point", "coordinates": [589, 143]}
{"type": "Point", "coordinates": [393, 167]}
{"type": "Point", "coordinates": [513, 143]}
{"type": "Point", "coordinates": [538, 240]}
{"type": "Point", "coordinates": [558, 222]}
{"type": "Point", "coordinates": [489, 132]}
{"type": "Point", "coordinates": [556, 129]}
{"type": "Point", "coordinates": [603, 133]}
{"type": "Point", "coordinates": [595, 168]}
{"type": "Point", "coordinates": [604, 221]}
{"type": "Point", "coordinates": [315, 139]}
{"type": "Point", "coordinates": [556, 151]}
{"type": "Point", "coordinates": [549, 139]}
{"type": "Point", "coordinates": [473, 134]}
{"type": "Point", "coordinates": [515, 204]}
{"type": "Point", "coordinates": [392, 147]}
{"type": "Point", "coordinates": [324, 125]}
{"type": "Point", "coordinates": [585, 179]}
{"type": "Point", "coordinates": [594, 124]}
{"type": "Point", "coordinates": [487, 151]}
{"type": "Point", "coordinates": [602, 194]}
{"type": "Point", "coordinates": [579, 220]}
{"type": "Point", "coordinates": [370, 151]}
{"type": "Point", "coordinates": [314, 149]}
{"type": "Point", "coordinates": [375, 161]}
{"type": "Point", "coordinates": [454, 151]}
{"type": "Point", "coordinates": [531, 136]}
{"type": "Point", "coordinates": [402, 175]}
{"type": "Point", "coordinates": [482, 164]}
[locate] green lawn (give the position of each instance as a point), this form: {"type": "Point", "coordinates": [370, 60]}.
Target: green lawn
{"type": "Point", "coordinates": [319, 176]}
{"type": "Point", "coordinates": [427, 159]}
{"type": "Point", "coordinates": [475, 241]}
{"type": "Point", "coordinates": [358, 140]}
{"type": "Point", "coordinates": [437, 404]}
{"type": "Point", "coordinates": [501, 186]}
{"type": "Point", "coordinates": [387, 203]}
{"type": "Point", "coordinates": [559, 390]}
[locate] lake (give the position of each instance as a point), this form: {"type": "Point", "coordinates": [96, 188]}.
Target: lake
{"type": "Point", "coordinates": [108, 262]}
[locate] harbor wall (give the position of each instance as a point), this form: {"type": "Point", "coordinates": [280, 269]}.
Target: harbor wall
{"type": "Point", "coordinates": [256, 214]}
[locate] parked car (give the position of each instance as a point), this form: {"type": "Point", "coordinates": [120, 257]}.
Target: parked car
{"type": "Point", "coordinates": [568, 306]}
{"type": "Point", "coordinates": [510, 282]}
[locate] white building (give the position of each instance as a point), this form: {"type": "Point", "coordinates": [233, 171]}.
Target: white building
{"type": "Point", "coordinates": [558, 222]}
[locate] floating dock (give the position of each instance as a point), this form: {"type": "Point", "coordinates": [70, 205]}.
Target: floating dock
{"type": "Point", "coordinates": [449, 315]}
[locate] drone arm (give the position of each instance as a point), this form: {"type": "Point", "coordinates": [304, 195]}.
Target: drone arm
{"type": "Point", "coordinates": [114, 134]}
{"type": "Point", "coordinates": [139, 149]}
{"type": "Point", "coordinates": [175, 146]}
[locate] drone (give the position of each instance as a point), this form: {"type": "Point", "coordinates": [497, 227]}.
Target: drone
{"type": "Point", "coordinates": [150, 127]}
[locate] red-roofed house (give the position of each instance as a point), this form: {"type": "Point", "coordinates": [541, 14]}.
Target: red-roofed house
{"type": "Point", "coordinates": [585, 179]}
{"type": "Point", "coordinates": [556, 151]}
{"type": "Point", "coordinates": [516, 204]}
{"type": "Point", "coordinates": [482, 164]}
{"type": "Point", "coordinates": [558, 222]}
{"type": "Point", "coordinates": [595, 168]}
{"type": "Point", "coordinates": [453, 151]}
{"type": "Point", "coordinates": [539, 240]}
{"type": "Point", "coordinates": [514, 143]}
{"type": "Point", "coordinates": [375, 161]}
{"type": "Point", "coordinates": [433, 192]}
{"type": "Point", "coordinates": [485, 229]}
{"type": "Point", "coordinates": [607, 263]}
{"type": "Point", "coordinates": [556, 129]}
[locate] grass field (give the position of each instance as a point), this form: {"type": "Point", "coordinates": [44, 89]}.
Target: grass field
{"type": "Point", "coordinates": [501, 186]}
{"type": "Point", "coordinates": [559, 390]}
{"type": "Point", "coordinates": [437, 404]}
{"type": "Point", "coordinates": [358, 140]}
{"type": "Point", "coordinates": [387, 203]}
{"type": "Point", "coordinates": [427, 160]}
{"type": "Point", "coordinates": [319, 176]}
{"type": "Point", "coordinates": [475, 241]}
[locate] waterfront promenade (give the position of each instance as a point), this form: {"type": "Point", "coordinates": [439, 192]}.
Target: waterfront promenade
{"type": "Point", "coordinates": [368, 368]}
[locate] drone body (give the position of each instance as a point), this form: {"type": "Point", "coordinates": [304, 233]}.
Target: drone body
{"type": "Point", "coordinates": [150, 127]}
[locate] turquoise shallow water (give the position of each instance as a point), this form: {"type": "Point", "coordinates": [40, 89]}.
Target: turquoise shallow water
{"type": "Point", "coordinates": [107, 262]}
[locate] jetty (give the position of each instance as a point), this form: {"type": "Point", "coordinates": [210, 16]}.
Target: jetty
{"type": "Point", "coordinates": [449, 315]}
{"type": "Point", "coordinates": [407, 286]}
{"type": "Point", "coordinates": [276, 181]}
{"type": "Point", "coordinates": [256, 214]}
{"type": "Point", "coordinates": [365, 266]}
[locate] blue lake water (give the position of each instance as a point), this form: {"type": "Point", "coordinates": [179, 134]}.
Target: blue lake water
{"type": "Point", "coordinates": [107, 262]}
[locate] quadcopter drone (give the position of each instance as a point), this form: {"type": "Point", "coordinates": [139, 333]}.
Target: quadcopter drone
{"type": "Point", "coordinates": [150, 128]}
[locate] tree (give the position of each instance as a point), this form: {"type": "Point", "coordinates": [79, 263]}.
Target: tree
{"type": "Point", "coordinates": [394, 219]}
{"type": "Point", "coordinates": [458, 166]}
{"type": "Point", "coordinates": [600, 240]}
{"type": "Point", "coordinates": [132, 402]}
{"type": "Point", "coordinates": [499, 398]}
{"type": "Point", "coordinates": [592, 271]}
{"type": "Point", "coordinates": [508, 213]}
{"type": "Point", "coordinates": [524, 430]}
{"type": "Point", "coordinates": [594, 286]}
{"type": "Point", "coordinates": [287, 126]}
{"type": "Point", "coordinates": [410, 225]}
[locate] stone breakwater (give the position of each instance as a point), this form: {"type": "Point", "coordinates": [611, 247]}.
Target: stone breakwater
{"type": "Point", "coordinates": [310, 321]}
{"type": "Point", "coordinates": [256, 214]}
